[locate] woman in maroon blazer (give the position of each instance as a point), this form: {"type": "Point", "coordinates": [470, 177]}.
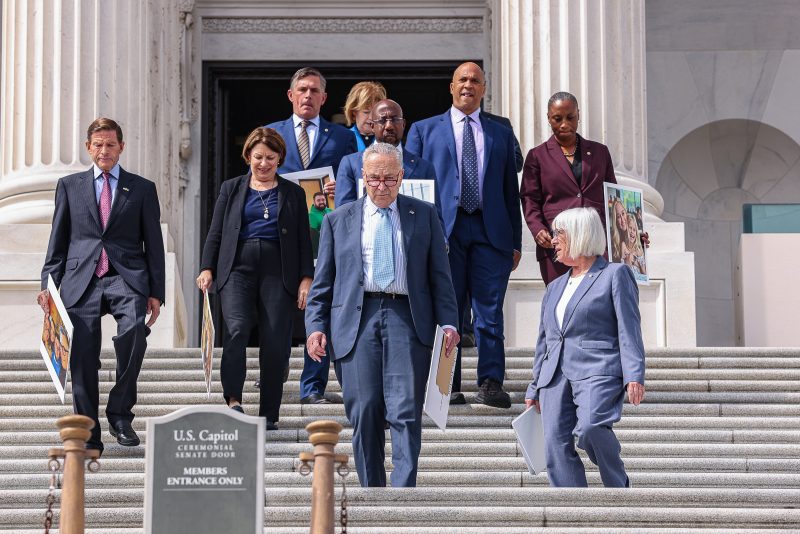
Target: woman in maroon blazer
{"type": "Point", "coordinates": [567, 171]}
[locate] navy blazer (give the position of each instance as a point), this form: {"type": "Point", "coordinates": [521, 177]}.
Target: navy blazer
{"type": "Point", "coordinates": [519, 159]}
{"type": "Point", "coordinates": [601, 333]}
{"type": "Point", "coordinates": [414, 168]}
{"type": "Point", "coordinates": [549, 187]}
{"type": "Point", "coordinates": [333, 142]}
{"type": "Point", "coordinates": [337, 293]}
{"type": "Point", "coordinates": [132, 238]}
{"type": "Point", "coordinates": [219, 250]}
{"type": "Point", "coordinates": [433, 139]}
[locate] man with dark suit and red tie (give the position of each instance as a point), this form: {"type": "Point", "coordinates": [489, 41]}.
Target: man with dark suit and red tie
{"type": "Point", "coordinates": [106, 255]}
{"type": "Point", "coordinates": [477, 181]}
{"type": "Point", "coordinates": [312, 142]}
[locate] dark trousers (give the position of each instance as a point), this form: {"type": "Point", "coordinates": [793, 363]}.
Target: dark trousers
{"type": "Point", "coordinates": [550, 268]}
{"type": "Point", "coordinates": [110, 294]}
{"type": "Point", "coordinates": [383, 380]}
{"type": "Point", "coordinates": [254, 295]}
{"type": "Point", "coordinates": [480, 271]}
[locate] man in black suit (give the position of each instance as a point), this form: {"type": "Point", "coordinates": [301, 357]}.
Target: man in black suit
{"type": "Point", "coordinates": [106, 255]}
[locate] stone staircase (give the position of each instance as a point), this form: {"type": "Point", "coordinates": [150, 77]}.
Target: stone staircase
{"type": "Point", "coordinates": [715, 448]}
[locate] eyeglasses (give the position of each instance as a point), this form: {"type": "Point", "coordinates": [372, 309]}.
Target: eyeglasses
{"type": "Point", "coordinates": [376, 181]}
{"type": "Point", "coordinates": [560, 234]}
{"type": "Point", "coordinates": [384, 120]}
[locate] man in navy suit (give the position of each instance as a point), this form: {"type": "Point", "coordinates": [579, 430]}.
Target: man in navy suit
{"type": "Point", "coordinates": [381, 286]}
{"type": "Point", "coordinates": [477, 183]}
{"type": "Point", "coordinates": [388, 125]}
{"type": "Point", "coordinates": [312, 142]}
{"type": "Point", "coordinates": [106, 254]}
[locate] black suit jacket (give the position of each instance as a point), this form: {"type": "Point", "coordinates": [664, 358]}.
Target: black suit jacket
{"type": "Point", "coordinates": [295, 237]}
{"type": "Point", "coordinates": [132, 237]}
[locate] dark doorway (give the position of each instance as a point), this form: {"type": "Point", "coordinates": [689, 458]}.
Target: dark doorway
{"type": "Point", "coordinates": [239, 96]}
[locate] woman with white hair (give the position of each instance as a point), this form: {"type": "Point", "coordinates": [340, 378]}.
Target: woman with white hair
{"type": "Point", "coordinates": [588, 354]}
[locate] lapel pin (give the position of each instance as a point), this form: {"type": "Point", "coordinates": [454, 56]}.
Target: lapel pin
{"type": "Point", "coordinates": [588, 153]}
{"type": "Point", "coordinates": [326, 129]}
{"type": "Point", "coordinates": [411, 212]}
{"type": "Point", "coordinates": [125, 189]}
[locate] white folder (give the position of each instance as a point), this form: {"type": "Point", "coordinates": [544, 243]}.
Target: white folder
{"type": "Point", "coordinates": [530, 436]}
{"type": "Point", "coordinates": [440, 381]}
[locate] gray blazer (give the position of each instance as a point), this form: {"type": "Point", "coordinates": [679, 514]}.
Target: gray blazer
{"type": "Point", "coordinates": [601, 333]}
{"type": "Point", "coordinates": [337, 294]}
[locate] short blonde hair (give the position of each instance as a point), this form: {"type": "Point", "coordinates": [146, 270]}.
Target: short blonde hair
{"type": "Point", "coordinates": [363, 95]}
{"type": "Point", "coordinates": [583, 231]}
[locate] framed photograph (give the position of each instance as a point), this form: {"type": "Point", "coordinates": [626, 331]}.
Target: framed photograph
{"type": "Point", "coordinates": [420, 189]}
{"type": "Point", "coordinates": [312, 181]}
{"type": "Point", "coordinates": [55, 344]}
{"type": "Point", "coordinates": [207, 342]}
{"type": "Point", "coordinates": [624, 227]}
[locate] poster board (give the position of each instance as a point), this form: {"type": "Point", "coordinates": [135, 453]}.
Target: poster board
{"type": "Point", "coordinates": [207, 342]}
{"type": "Point", "coordinates": [440, 381]}
{"type": "Point", "coordinates": [55, 343]}
{"type": "Point", "coordinates": [312, 181]}
{"type": "Point", "coordinates": [624, 228]}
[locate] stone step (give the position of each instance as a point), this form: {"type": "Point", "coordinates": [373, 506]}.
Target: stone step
{"type": "Point", "coordinates": [395, 529]}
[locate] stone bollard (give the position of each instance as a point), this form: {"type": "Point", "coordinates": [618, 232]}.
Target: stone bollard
{"type": "Point", "coordinates": [74, 430]}
{"type": "Point", "coordinates": [324, 435]}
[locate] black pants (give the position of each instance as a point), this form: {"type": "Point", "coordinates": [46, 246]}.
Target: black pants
{"type": "Point", "coordinates": [110, 294]}
{"type": "Point", "coordinates": [254, 295]}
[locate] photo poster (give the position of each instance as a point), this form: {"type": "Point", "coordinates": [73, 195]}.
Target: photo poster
{"type": "Point", "coordinates": [413, 187]}
{"type": "Point", "coordinates": [440, 381]}
{"type": "Point", "coordinates": [624, 227]}
{"type": "Point", "coordinates": [207, 342]}
{"type": "Point", "coordinates": [55, 344]}
{"type": "Point", "coordinates": [312, 181]}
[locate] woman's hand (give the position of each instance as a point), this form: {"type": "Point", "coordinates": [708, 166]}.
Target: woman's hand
{"type": "Point", "coordinates": [543, 239]}
{"type": "Point", "coordinates": [533, 403]}
{"type": "Point", "coordinates": [204, 280]}
{"type": "Point", "coordinates": [302, 292]}
{"type": "Point", "coordinates": [635, 393]}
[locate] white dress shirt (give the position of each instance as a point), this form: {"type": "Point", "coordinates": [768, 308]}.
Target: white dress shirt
{"type": "Point", "coordinates": [457, 120]}
{"type": "Point", "coordinates": [112, 182]}
{"type": "Point", "coordinates": [369, 223]}
{"type": "Point", "coordinates": [312, 130]}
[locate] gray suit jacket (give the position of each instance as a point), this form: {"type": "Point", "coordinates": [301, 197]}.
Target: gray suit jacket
{"type": "Point", "coordinates": [132, 237]}
{"type": "Point", "coordinates": [337, 294]}
{"type": "Point", "coordinates": [601, 333]}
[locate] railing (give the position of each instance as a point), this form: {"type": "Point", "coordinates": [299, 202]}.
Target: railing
{"type": "Point", "coordinates": [324, 435]}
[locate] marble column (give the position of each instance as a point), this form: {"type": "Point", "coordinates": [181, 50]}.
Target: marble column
{"type": "Point", "coordinates": [594, 49]}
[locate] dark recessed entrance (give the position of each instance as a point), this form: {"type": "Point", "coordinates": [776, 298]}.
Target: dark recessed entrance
{"type": "Point", "coordinates": [239, 96]}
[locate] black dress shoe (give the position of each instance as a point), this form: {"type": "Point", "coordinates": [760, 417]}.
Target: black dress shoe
{"type": "Point", "coordinates": [457, 397]}
{"type": "Point", "coordinates": [272, 426]}
{"type": "Point", "coordinates": [123, 431]}
{"type": "Point", "coordinates": [314, 398]}
{"type": "Point", "coordinates": [237, 407]}
{"type": "Point", "coordinates": [491, 394]}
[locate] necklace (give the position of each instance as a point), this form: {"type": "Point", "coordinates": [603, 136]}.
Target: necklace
{"type": "Point", "coordinates": [570, 154]}
{"type": "Point", "coordinates": [266, 208]}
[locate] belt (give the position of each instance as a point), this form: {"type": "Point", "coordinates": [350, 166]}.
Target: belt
{"type": "Point", "coordinates": [382, 295]}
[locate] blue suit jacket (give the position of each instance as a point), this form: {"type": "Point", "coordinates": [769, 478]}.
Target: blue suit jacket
{"type": "Point", "coordinates": [433, 139]}
{"type": "Point", "coordinates": [333, 142]}
{"type": "Point", "coordinates": [337, 293]}
{"type": "Point", "coordinates": [414, 168]}
{"type": "Point", "coordinates": [601, 332]}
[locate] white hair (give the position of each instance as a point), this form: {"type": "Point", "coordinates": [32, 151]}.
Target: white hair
{"type": "Point", "coordinates": [382, 149]}
{"type": "Point", "coordinates": [584, 231]}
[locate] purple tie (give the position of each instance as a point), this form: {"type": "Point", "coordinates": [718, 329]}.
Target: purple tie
{"type": "Point", "coordinates": [105, 211]}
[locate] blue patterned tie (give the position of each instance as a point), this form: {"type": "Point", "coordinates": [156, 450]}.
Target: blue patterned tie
{"type": "Point", "coordinates": [383, 251]}
{"type": "Point", "coordinates": [470, 200]}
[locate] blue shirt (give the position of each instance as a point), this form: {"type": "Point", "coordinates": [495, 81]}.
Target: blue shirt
{"type": "Point", "coordinates": [254, 225]}
{"type": "Point", "coordinates": [98, 182]}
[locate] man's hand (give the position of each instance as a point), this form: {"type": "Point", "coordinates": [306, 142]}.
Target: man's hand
{"type": "Point", "coordinates": [302, 292]}
{"type": "Point", "coordinates": [543, 239]}
{"type": "Point", "coordinates": [451, 339]}
{"type": "Point", "coordinates": [43, 300]}
{"type": "Point", "coordinates": [646, 239]}
{"type": "Point", "coordinates": [517, 257]}
{"type": "Point", "coordinates": [635, 393]}
{"type": "Point", "coordinates": [204, 279]}
{"type": "Point", "coordinates": [329, 188]}
{"type": "Point", "coordinates": [533, 403]}
{"type": "Point", "coordinates": [153, 309]}
{"type": "Point", "coordinates": [315, 346]}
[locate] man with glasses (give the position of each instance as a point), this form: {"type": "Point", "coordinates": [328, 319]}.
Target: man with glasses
{"type": "Point", "coordinates": [388, 125]}
{"type": "Point", "coordinates": [382, 284]}
{"type": "Point", "coordinates": [476, 180]}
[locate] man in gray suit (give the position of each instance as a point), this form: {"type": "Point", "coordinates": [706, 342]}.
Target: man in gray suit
{"type": "Point", "coordinates": [106, 255]}
{"type": "Point", "coordinates": [381, 286]}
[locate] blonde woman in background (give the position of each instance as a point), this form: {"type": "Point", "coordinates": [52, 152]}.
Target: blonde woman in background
{"type": "Point", "coordinates": [360, 101]}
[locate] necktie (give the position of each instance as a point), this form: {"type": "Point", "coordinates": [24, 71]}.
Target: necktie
{"type": "Point", "coordinates": [469, 170]}
{"type": "Point", "coordinates": [383, 251]}
{"type": "Point", "coordinates": [105, 211]}
{"type": "Point", "coordinates": [303, 145]}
